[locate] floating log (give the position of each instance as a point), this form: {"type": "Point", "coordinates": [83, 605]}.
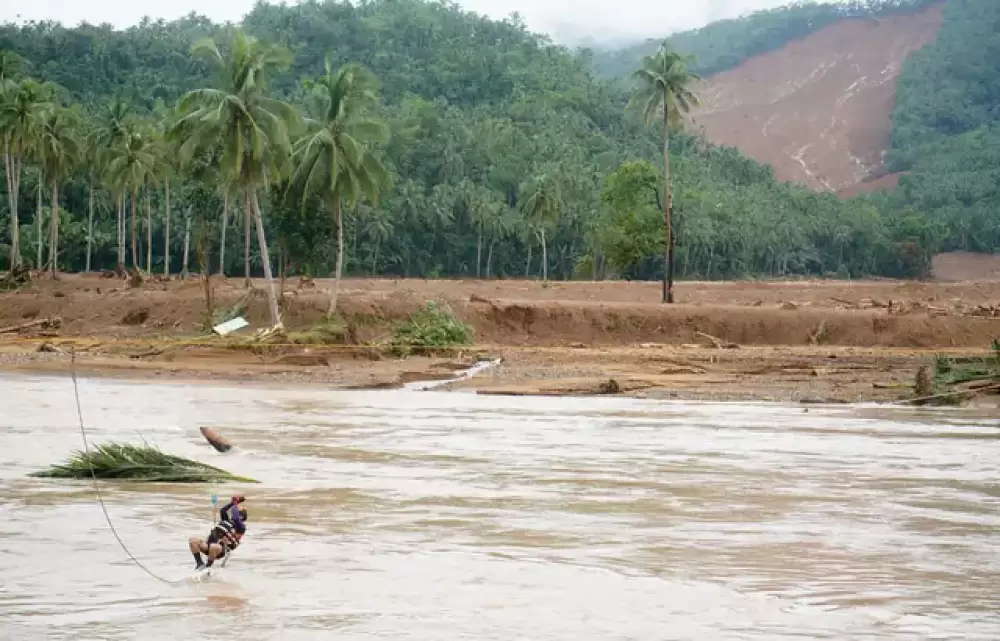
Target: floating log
{"type": "Point", "coordinates": [215, 440]}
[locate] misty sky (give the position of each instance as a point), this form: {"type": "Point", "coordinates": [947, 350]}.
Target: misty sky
{"type": "Point", "coordinates": [565, 20]}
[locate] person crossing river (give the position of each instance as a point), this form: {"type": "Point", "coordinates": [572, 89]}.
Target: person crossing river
{"type": "Point", "coordinates": [225, 536]}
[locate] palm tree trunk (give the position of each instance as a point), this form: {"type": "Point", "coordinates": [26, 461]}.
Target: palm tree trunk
{"type": "Point", "coordinates": [668, 287]}
{"type": "Point", "coordinates": [489, 256]}
{"type": "Point", "coordinates": [12, 171]}
{"type": "Point", "coordinates": [568, 261]}
{"type": "Point", "coordinates": [545, 258]}
{"type": "Point", "coordinates": [246, 243]}
{"type": "Point", "coordinates": [187, 242]}
{"type": "Point", "coordinates": [265, 258]}
{"type": "Point", "coordinates": [38, 219]}
{"type": "Point", "coordinates": [54, 229]}
{"type": "Point", "coordinates": [527, 264]}
{"type": "Point", "coordinates": [479, 253]}
{"type": "Point", "coordinates": [222, 233]}
{"type": "Point", "coordinates": [135, 253]}
{"type": "Point", "coordinates": [338, 213]}
{"type": "Point", "coordinates": [670, 265]}
{"type": "Point", "coordinates": [149, 235]}
{"type": "Point", "coordinates": [90, 227]}
{"type": "Point", "coordinates": [282, 257]}
{"type": "Point", "coordinates": [166, 229]}
{"type": "Point", "coordinates": [120, 231]}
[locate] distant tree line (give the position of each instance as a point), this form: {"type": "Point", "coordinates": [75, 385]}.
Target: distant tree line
{"type": "Point", "coordinates": [393, 137]}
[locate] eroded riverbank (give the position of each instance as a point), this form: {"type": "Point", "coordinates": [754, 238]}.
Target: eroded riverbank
{"type": "Point", "coordinates": [809, 374]}
{"type": "Point", "coordinates": [833, 341]}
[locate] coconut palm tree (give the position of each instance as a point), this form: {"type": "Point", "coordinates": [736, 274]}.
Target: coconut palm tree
{"type": "Point", "coordinates": [334, 159]}
{"type": "Point", "coordinates": [378, 227]}
{"type": "Point", "coordinates": [663, 93]}
{"type": "Point", "coordinates": [59, 150]}
{"type": "Point", "coordinates": [250, 128]}
{"type": "Point", "coordinates": [502, 221]}
{"type": "Point", "coordinates": [92, 169]}
{"type": "Point", "coordinates": [21, 107]}
{"type": "Point", "coordinates": [166, 168]}
{"type": "Point", "coordinates": [11, 66]}
{"type": "Point", "coordinates": [542, 205]}
{"type": "Point", "coordinates": [112, 128]}
{"type": "Point", "coordinates": [131, 166]}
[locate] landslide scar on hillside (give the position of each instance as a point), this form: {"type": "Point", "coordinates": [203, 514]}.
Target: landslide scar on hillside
{"type": "Point", "coordinates": [818, 109]}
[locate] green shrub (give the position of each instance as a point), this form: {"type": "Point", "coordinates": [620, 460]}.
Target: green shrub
{"type": "Point", "coordinates": [432, 329]}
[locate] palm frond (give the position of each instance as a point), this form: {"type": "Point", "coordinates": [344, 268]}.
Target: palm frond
{"type": "Point", "coordinates": [123, 461]}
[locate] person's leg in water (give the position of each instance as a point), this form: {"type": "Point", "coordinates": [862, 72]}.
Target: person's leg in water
{"type": "Point", "coordinates": [196, 546]}
{"type": "Point", "coordinates": [207, 547]}
{"type": "Point", "coordinates": [215, 551]}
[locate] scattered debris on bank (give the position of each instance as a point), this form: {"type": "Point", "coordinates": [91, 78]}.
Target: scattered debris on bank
{"type": "Point", "coordinates": [953, 380]}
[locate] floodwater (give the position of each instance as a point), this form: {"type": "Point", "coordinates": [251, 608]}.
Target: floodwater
{"type": "Point", "coordinates": [447, 516]}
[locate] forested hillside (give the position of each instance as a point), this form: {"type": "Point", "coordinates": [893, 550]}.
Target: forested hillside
{"type": "Point", "coordinates": [947, 127]}
{"type": "Point", "coordinates": [481, 116]}
{"type": "Point", "coordinates": [946, 119]}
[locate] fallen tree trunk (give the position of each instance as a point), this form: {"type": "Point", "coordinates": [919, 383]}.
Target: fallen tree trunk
{"type": "Point", "coordinates": [43, 323]}
{"type": "Point", "coordinates": [215, 440]}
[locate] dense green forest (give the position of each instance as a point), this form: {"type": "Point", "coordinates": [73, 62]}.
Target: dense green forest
{"type": "Point", "coordinates": [946, 128]}
{"type": "Point", "coordinates": [725, 44]}
{"type": "Point", "coordinates": [477, 115]}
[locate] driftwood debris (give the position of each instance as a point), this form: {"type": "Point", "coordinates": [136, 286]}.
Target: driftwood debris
{"type": "Point", "coordinates": [147, 353]}
{"type": "Point", "coordinates": [609, 386]}
{"type": "Point", "coordinates": [923, 386]}
{"type": "Point", "coordinates": [44, 323]}
{"type": "Point", "coordinates": [305, 360]}
{"type": "Point", "coordinates": [877, 385]}
{"type": "Point", "coordinates": [17, 278]}
{"type": "Point", "coordinates": [965, 392]}
{"type": "Point", "coordinates": [215, 440]}
{"type": "Point", "coordinates": [718, 342]}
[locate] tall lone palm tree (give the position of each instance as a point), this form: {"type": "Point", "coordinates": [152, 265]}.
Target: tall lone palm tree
{"type": "Point", "coordinates": [334, 159]}
{"type": "Point", "coordinates": [251, 128]}
{"type": "Point", "coordinates": [663, 92]}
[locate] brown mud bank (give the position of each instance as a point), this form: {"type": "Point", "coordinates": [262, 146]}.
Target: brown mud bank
{"type": "Point", "coordinates": [804, 340]}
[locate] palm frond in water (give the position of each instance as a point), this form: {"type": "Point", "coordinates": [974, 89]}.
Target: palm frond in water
{"type": "Point", "coordinates": [137, 463]}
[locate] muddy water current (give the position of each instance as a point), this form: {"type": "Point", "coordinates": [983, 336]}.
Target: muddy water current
{"type": "Point", "coordinates": [441, 516]}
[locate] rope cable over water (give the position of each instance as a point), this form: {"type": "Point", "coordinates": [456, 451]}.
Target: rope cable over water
{"type": "Point", "coordinates": [97, 489]}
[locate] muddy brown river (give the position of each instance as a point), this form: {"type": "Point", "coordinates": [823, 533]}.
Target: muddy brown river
{"type": "Point", "coordinates": [448, 516]}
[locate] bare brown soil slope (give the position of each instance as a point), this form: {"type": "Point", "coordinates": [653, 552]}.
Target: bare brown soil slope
{"type": "Point", "coordinates": [966, 266]}
{"type": "Point", "coordinates": [817, 110]}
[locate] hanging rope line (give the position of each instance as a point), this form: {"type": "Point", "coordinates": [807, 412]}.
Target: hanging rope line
{"type": "Point", "coordinates": [93, 476]}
